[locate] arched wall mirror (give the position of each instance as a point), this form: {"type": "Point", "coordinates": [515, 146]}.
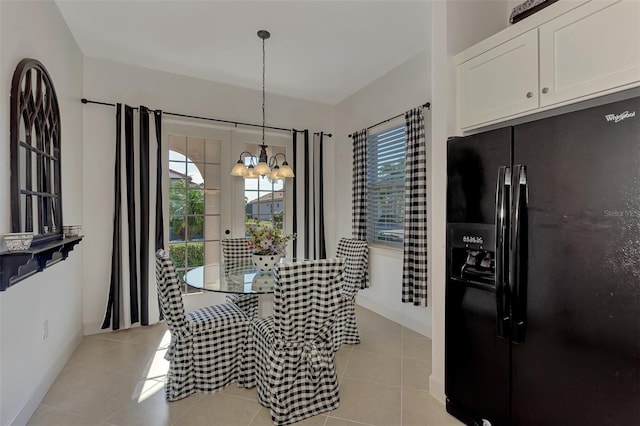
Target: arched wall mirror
{"type": "Point", "coordinates": [36, 198]}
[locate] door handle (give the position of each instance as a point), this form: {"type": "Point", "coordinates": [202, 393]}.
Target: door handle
{"type": "Point", "coordinates": [502, 225]}
{"type": "Point", "coordinates": [517, 264]}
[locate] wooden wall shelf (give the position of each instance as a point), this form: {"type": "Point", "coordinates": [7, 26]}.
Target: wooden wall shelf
{"type": "Point", "coordinates": [15, 266]}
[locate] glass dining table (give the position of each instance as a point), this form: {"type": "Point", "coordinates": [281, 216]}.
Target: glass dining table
{"type": "Point", "coordinates": [239, 279]}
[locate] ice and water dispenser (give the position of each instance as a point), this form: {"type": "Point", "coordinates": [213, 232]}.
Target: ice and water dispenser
{"type": "Point", "coordinates": [472, 253]}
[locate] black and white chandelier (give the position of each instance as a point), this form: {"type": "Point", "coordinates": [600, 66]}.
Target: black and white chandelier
{"type": "Point", "coordinates": [266, 166]}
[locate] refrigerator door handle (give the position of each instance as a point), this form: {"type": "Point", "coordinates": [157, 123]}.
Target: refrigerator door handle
{"type": "Point", "coordinates": [502, 261]}
{"type": "Point", "coordinates": [517, 263]}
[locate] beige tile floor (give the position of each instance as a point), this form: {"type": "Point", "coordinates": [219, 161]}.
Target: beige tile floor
{"type": "Point", "coordinates": [117, 379]}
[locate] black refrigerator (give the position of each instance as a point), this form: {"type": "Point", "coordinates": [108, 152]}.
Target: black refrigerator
{"type": "Point", "coordinates": [543, 271]}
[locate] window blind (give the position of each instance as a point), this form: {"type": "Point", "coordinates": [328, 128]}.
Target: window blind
{"type": "Point", "coordinates": [386, 155]}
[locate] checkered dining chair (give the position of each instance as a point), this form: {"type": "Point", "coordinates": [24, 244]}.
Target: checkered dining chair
{"type": "Point", "coordinates": [356, 255]}
{"type": "Point", "coordinates": [206, 344]}
{"type": "Point", "coordinates": [236, 253]}
{"type": "Point", "coordinates": [289, 356]}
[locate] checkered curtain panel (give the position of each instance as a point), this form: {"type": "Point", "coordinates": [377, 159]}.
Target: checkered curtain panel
{"type": "Point", "coordinates": [414, 274]}
{"type": "Point", "coordinates": [290, 356]}
{"type": "Point", "coordinates": [206, 344]}
{"type": "Point", "coordinates": [359, 185]}
{"type": "Point", "coordinates": [137, 219]}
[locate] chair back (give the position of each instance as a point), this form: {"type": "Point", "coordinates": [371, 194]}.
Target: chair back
{"type": "Point", "coordinates": [169, 292]}
{"type": "Point", "coordinates": [306, 297]}
{"type": "Point", "coordinates": [356, 255]}
{"type": "Point", "coordinates": [235, 249]}
{"type": "Point", "coordinates": [235, 253]}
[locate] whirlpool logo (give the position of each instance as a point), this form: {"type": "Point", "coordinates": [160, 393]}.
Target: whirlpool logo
{"type": "Point", "coordinates": [616, 118]}
{"type": "Point", "coordinates": [472, 239]}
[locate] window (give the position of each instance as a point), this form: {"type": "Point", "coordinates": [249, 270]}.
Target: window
{"type": "Point", "coordinates": [386, 155]}
{"type": "Point", "coordinates": [194, 203]}
{"type": "Point", "coordinates": [264, 198]}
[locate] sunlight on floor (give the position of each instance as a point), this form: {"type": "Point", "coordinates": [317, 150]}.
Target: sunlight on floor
{"type": "Point", "coordinates": [156, 370]}
{"type": "Point", "coordinates": [149, 388]}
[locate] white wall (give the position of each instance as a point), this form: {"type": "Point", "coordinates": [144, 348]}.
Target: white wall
{"type": "Point", "coordinates": [28, 363]}
{"type": "Point", "coordinates": [114, 82]}
{"type": "Point", "coordinates": [456, 25]}
{"type": "Point", "coordinates": [403, 88]}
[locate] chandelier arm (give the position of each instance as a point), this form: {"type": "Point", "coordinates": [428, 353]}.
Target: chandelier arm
{"type": "Point", "coordinates": [251, 157]}
{"type": "Point", "coordinates": [273, 161]}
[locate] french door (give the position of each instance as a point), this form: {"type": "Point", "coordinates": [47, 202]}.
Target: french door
{"type": "Point", "coordinates": [197, 196]}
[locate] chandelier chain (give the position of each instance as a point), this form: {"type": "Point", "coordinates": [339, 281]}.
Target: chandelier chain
{"type": "Point", "coordinates": [263, 80]}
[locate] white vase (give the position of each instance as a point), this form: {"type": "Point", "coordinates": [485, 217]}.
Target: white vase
{"type": "Point", "coordinates": [265, 262]}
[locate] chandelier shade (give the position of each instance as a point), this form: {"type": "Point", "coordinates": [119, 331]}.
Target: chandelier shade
{"type": "Point", "coordinates": [266, 166]}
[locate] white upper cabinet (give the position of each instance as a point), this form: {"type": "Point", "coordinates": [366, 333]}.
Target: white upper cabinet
{"type": "Point", "coordinates": [594, 49]}
{"type": "Point", "coordinates": [500, 82]}
{"type": "Point", "coordinates": [585, 50]}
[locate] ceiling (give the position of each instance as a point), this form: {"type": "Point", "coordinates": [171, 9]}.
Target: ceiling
{"type": "Point", "coordinates": [319, 50]}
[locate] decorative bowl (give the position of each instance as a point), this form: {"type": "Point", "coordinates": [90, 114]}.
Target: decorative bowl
{"type": "Point", "coordinates": [71, 230]}
{"type": "Point", "coordinates": [18, 241]}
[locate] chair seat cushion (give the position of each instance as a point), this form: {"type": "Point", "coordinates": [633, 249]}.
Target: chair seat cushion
{"type": "Point", "coordinates": [215, 317]}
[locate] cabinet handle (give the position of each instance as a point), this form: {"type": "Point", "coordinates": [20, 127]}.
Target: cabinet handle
{"type": "Point", "coordinates": [529, 94]}
{"type": "Point", "coordinates": [545, 90]}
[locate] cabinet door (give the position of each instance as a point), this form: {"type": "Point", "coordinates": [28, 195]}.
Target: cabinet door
{"type": "Point", "coordinates": [500, 82]}
{"type": "Point", "coordinates": [594, 48]}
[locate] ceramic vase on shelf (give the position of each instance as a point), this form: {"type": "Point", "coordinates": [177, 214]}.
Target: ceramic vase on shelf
{"type": "Point", "coordinates": [265, 262]}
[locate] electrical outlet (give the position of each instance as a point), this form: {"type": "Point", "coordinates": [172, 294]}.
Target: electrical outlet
{"type": "Point", "coordinates": [45, 334]}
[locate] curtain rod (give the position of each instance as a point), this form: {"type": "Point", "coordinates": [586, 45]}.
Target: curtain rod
{"type": "Point", "coordinates": [235, 123]}
{"type": "Point", "coordinates": [427, 106]}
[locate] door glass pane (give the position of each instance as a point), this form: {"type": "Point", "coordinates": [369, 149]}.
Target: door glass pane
{"type": "Point", "coordinates": [212, 252]}
{"type": "Point", "coordinates": [212, 228]}
{"type": "Point", "coordinates": [195, 149]}
{"type": "Point", "coordinates": [212, 201]}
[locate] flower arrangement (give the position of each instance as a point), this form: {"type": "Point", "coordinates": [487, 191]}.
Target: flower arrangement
{"type": "Point", "coordinates": [266, 240]}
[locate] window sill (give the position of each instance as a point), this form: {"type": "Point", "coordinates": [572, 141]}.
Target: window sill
{"type": "Point", "coordinates": [378, 250]}
{"type": "Point", "coordinates": [16, 266]}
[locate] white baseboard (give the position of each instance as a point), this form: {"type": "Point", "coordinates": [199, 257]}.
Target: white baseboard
{"type": "Point", "coordinates": [436, 388]}
{"type": "Point", "coordinates": [94, 328]}
{"type": "Point", "coordinates": [401, 318]}
{"type": "Point", "coordinates": [47, 380]}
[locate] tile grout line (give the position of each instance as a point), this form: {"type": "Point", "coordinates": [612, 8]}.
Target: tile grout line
{"type": "Point", "coordinates": [256, 414]}
{"type": "Point", "coordinates": [401, 372]}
